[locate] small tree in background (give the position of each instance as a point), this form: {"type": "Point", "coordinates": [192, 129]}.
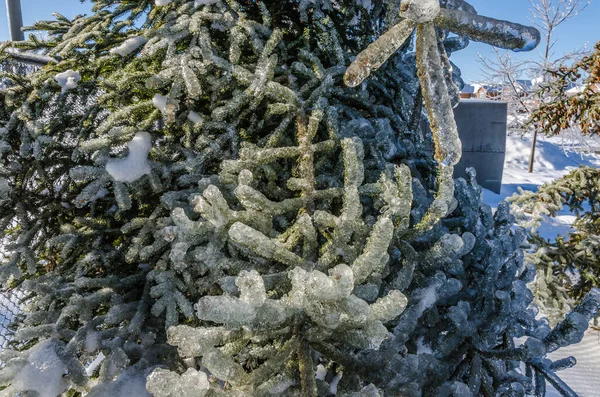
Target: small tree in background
{"type": "Point", "coordinates": [568, 266]}
{"type": "Point", "coordinates": [547, 16]}
{"type": "Point", "coordinates": [505, 72]}
{"type": "Point", "coordinates": [580, 109]}
{"type": "Point", "coordinates": [198, 205]}
{"type": "Point", "coordinates": [506, 77]}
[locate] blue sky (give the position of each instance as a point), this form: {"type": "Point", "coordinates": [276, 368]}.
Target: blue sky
{"type": "Point", "coordinates": [40, 10]}
{"type": "Point", "coordinates": [584, 28]}
{"type": "Point", "coordinates": [576, 32]}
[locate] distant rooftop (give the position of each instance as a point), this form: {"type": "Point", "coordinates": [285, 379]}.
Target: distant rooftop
{"type": "Point", "coordinates": [471, 88]}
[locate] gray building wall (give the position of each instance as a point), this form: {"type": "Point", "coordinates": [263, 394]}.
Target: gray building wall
{"type": "Point", "coordinates": [482, 130]}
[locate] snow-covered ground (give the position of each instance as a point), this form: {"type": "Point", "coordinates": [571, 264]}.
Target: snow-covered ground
{"type": "Point", "coordinates": [583, 378]}
{"type": "Point", "coordinates": [554, 159]}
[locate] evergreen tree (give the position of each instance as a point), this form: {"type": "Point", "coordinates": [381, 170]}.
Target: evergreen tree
{"type": "Point", "coordinates": [567, 265]}
{"type": "Point", "coordinates": [566, 109]}
{"type": "Point", "coordinates": [199, 206]}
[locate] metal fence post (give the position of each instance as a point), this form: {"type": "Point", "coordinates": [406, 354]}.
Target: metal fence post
{"type": "Point", "coordinates": [15, 19]}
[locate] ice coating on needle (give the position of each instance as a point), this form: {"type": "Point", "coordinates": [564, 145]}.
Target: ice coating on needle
{"type": "Point", "coordinates": [194, 342]}
{"type": "Point", "coordinates": [252, 287]}
{"type": "Point", "coordinates": [4, 188]}
{"type": "Point", "coordinates": [572, 328]}
{"type": "Point", "coordinates": [135, 165]}
{"type": "Point", "coordinates": [440, 93]}
{"type": "Point", "coordinates": [315, 285]}
{"type": "Point", "coordinates": [250, 238]}
{"type": "Point", "coordinates": [225, 310]}
{"type": "Point", "coordinates": [164, 383]}
{"type": "Point", "coordinates": [93, 366]}
{"type": "Point", "coordinates": [274, 233]}
{"type": "Point", "coordinates": [420, 10]}
{"type": "Point", "coordinates": [375, 257]}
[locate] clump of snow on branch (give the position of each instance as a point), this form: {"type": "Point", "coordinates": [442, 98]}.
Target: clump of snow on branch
{"type": "Point", "coordinates": [160, 102]}
{"type": "Point", "coordinates": [194, 117]}
{"type": "Point", "coordinates": [129, 45]}
{"type": "Point", "coordinates": [68, 80]}
{"type": "Point", "coordinates": [93, 366]}
{"type": "Point", "coordinates": [135, 165]}
{"type": "Point", "coordinates": [43, 372]}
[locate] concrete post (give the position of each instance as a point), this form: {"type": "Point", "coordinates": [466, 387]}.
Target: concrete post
{"type": "Point", "coordinates": [15, 20]}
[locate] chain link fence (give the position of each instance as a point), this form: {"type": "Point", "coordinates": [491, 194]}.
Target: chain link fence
{"type": "Point", "coordinates": [11, 302]}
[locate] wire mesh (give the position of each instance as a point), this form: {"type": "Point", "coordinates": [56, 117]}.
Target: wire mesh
{"type": "Point", "coordinates": [11, 303]}
{"type": "Point", "coordinates": [19, 63]}
{"type": "Point", "coordinates": [11, 300]}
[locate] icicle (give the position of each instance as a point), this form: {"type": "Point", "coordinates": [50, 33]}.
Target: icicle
{"type": "Point", "coordinates": [437, 100]}
{"type": "Point", "coordinates": [503, 34]}
{"type": "Point", "coordinates": [378, 52]}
